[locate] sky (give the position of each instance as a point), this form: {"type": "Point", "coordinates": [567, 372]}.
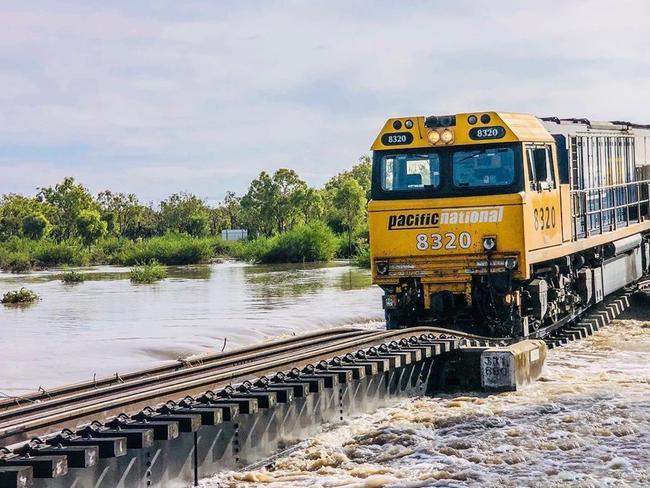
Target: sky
{"type": "Point", "coordinates": [200, 96]}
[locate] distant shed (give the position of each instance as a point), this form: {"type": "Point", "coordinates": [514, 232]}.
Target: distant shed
{"type": "Point", "coordinates": [234, 234]}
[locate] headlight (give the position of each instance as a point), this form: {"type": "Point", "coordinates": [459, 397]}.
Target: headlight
{"type": "Point", "coordinates": [447, 136]}
{"type": "Point", "coordinates": [489, 244]}
{"type": "Point", "coordinates": [510, 263]}
{"type": "Point", "coordinates": [408, 124]}
{"type": "Point", "coordinates": [381, 267]}
{"type": "Point", "coordinates": [433, 137]}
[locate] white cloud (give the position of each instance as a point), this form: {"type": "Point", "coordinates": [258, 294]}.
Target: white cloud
{"type": "Point", "coordinates": [211, 93]}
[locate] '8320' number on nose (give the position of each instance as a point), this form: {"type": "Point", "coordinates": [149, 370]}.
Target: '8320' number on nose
{"type": "Point", "coordinates": [449, 240]}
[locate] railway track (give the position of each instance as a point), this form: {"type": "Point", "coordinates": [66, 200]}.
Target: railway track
{"type": "Point", "coordinates": [182, 366]}
{"type": "Point", "coordinates": [71, 406]}
{"type": "Point", "coordinates": [45, 412]}
{"type": "Point", "coordinates": [158, 403]}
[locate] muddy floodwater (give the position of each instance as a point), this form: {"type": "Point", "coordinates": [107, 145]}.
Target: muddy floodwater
{"type": "Point", "coordinates": [107, 325]}
{"type": "Point", "coordinates": [585, 424]}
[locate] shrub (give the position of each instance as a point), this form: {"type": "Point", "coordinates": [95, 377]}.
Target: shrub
{"type": "Point", "coordinates": [362, 259]}
{"type": "Point", "coordinates": [72, 277]}
{"type": "Point", "coordinates": [16, 262]}
{"type": "Point", "coordinates": [19, 296]}
{"type": "Point", "coordinates": [148, 273]}
{"type": "Point", "coordinates": [50, 253]}
{"type": "Point", "coordinates": [111, 250]}
{"type": "Point", "coordinates": [170, 249]}
{"type": "Point", "coordinates": [304, 243]}
{"type": "Point", "coordinates": [221, 247]}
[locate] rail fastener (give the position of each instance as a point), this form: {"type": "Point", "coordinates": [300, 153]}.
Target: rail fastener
{"type": "Point", "coordinates": [209, 415]}
{"type": "Point", "coordinates": [77, 456]}
{"type": "Point", "coordinates": [163, 430]}
{"type": "Point", "coordinates": [186, 422]}
{"type": "Point", "coordinates": [108, 447]}
{"type": "Point", "coordinates": [135, 438]}
{"type": "Point", "coordinates": [243, 405]}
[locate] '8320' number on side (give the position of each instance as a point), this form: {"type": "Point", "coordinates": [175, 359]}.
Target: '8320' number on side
{"type": "Point", "coordinates": [449, 240]}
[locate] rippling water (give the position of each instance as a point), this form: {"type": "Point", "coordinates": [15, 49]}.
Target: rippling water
{"type": "Point", "coordinates": [586, 423]}
{"type": "Point", "coordinates": [107, 325]}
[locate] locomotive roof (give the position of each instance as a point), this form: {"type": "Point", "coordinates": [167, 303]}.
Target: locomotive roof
{"type": "Point", "coordinates": [581, 124]}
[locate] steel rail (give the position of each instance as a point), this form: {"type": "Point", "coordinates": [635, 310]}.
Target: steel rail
{"type": "Point", "coordinates": [180, 365]}
{"type": "Point", "coordinates": [243, 356]}
{"type": "Point", "coordinates": [106, 406]}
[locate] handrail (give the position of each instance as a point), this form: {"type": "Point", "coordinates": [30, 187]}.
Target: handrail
{"type": "Point", "coordinates": [609, 187]}
{"type": "Point", "coordinates": [601, 209]}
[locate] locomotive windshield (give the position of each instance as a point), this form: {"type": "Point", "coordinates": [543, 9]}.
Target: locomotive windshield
{"type": "Point", "coordinates": [454, 170]}
{"type": "Point", "coordinates": [410, 172]}
{"type": "Point", "coordinates": [484, 167]}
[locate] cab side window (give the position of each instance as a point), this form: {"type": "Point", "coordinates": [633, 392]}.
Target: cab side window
{"type": "Point", "coordinates": [540, 167]}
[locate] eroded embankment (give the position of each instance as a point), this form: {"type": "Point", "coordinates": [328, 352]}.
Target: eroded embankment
{"type": "Point", "coordinates": [586, 423]}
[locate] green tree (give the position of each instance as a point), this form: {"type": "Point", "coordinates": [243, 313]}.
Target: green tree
{"type": "Point", "coordinates": [361, 172]}
{"type": "Point", "coordinates": [68, 199]}
{"type": "Point", "coordinates": [177, 211]}
{"type": "Point", "coordinates": [144, 224]}
{"type": "Point", "coordinates": [310, 203]}
{"type": "Point", "coordinates": [90, 226]}
{"type": "Point", "coordinates": [35, 226]}
{"type": "Point", "coordinates": [232, 209]}
{"type": "Point", "coordinates": [217, 220]}
{"type": "Point", "coordinates": [349, 200]}
{"type": "Point", "coordinates": [198, 225]}
{"type": "Point", "coordinates": [288, 187]}
{"type": "Point", "coordinates": [271, 204]}
{"type": "Point", "coordinates": [13, 211]}
{"type": "Point", "coordinates": [118, 210]}
{"type": "Point", "coordinates": [258, 205]}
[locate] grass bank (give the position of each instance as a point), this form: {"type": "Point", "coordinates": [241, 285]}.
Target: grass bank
{"type": "Point", "coordinates": [304, 243]}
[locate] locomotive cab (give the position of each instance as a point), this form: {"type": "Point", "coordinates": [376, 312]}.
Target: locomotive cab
{"type": "Point", "coordinates": [466, 217]}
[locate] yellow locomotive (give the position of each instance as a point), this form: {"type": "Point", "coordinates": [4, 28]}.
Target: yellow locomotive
{"type": "Point", "coordinates": [505, 224]}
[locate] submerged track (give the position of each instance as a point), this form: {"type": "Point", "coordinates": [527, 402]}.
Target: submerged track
{"type": "Point", "coordinates": [189, 391]}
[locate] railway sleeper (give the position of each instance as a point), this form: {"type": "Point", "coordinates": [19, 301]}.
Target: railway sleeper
{"type": "Point", "coordinates": [186, 422]}
{"type": "Point", "coordinates": [41, 466]}
{"type": "Point", "coordinates": [226, 411]}
{"type": "Point", "coordinates": [77, 456]}
{"type": "Point", "coordinates": [282, 394]}
{"type": "Point", "coordinates": [108, 447]}
{"type": "Point", "coordinates": [135, 438]}
{"type": "Point", "coordinates": [265, 399]}
{"type": "Point", "coordinates": [244, 405]}
{"type": "Point", "coordinates": [17, 476]}
{"type": "Point", "coordinates": [302, 385]}
{"type": "Point", "coordinates": [209, 416]}
{"type": "Point", "coordinates": [163, 430]}
{"type": "Point", "coordinates": [330, 379]}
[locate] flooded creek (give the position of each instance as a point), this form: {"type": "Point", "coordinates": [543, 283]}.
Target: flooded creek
{"type": "Point", "coordinates": [586, 424]}
{"type": "Point", "coordinates": [107, 325]}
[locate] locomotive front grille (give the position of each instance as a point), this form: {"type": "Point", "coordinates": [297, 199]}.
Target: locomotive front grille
{"type": "Point", "coordinates": [453, 269]}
